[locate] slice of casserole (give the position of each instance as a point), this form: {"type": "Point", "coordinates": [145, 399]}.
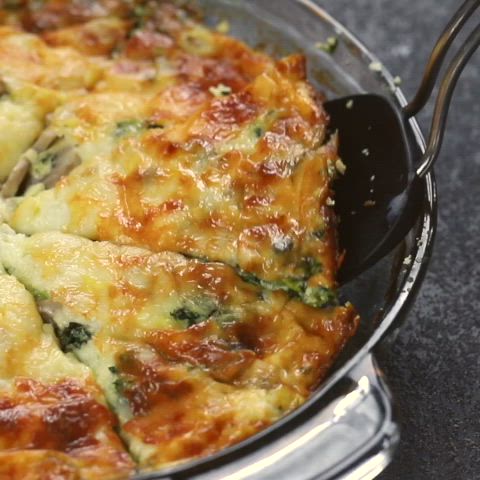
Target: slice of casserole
{"type": "Point", "coordinates": [219, 153]}
{"type": "Point", "coordinates": [54, 422]}
{"type": "Point", "coordinates": [190, 356]}
{"type": "Point", "coordinates": [34, 80]}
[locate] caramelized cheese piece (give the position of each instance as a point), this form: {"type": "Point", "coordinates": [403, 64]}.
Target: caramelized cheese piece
{"type": "Point", "coordinates": [192, 358]}
{"type": "Point", "coordinates": [48, 15]}
{"type": "Point", "coordinates": [54, 422]}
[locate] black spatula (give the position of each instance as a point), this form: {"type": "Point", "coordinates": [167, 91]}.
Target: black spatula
{"type": "Point", "coordinates": [377, 199]}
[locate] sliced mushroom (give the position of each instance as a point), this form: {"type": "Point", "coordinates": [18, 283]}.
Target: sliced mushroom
{"type": "Point", "coordinates": [21, 171]}
{"type": "Point", "coordinates": [45, 140]}
{"type": "Point", "coordinates": [48, 309]}
{"type": "Point", "coordinates": [65, 162]}
{"type": "Point", "coordinates": [3, 87]}
{"type": "Point", "coordinates": [16, 178]}
{"type": "Point", "coordinates": [49, 159]}
{"type": "Point", "coordinates": [56, 158]}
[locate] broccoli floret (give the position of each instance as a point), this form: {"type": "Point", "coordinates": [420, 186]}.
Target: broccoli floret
{"type": "Point", "coordinates": [311, 266]}
{"type": "Point", "coordinates": [43, 164]}
{"type": "Point", "coordinates": [187, 315]}
{"type": "Point", "coordinates": [318, 297]}
{"type": "Point", "coordinates": [200, 309]}
{"type": "Point", "coordinates": [258, 131]}
{"type": "Point", "coordinates": [128, 127]}
{"type": "Point", "coordinates": [132, 127]}
{"type": "Point", "coordinates": [74, 336]}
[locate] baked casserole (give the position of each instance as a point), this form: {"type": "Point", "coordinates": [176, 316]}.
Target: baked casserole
{"type": "Point", "coordinates": [168, 246]}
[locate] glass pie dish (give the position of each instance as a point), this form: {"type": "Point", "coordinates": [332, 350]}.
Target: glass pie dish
{"type": "Point", "coordinates": [347, 430]}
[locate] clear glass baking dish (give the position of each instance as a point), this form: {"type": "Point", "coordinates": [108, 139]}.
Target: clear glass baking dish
{"type": "Point", "coordinates": [347, 430]}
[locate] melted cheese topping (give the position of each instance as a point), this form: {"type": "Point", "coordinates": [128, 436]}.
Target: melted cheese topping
{"type": "Point", "coordinates": [26, 57]}
{"type": "Point", "coordinates": [35, 79]}
{"type": "Point", "coordinates": [223, 153]}
{"type": "Point", "coordinates": [23, 108]}
{"type": "Point", "coordinates": [162, 323]}
{"type": "Point", "coordinates": [50, 409]}
{"type": "Point", "coordinates": [181, 239]}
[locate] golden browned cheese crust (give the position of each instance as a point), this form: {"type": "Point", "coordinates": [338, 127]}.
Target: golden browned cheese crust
{"type": "Point", "coordinates": [193, 135]}
{"type": "Point", "coordinates": [167, 201]}
{"type": "Point", "coordinates": [53, 417]}
{"type": "Point", "coordinates": [181, 346]}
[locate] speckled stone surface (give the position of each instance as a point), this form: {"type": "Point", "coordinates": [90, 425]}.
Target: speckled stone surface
{"type": "Point", "coordinates": [433, 367]}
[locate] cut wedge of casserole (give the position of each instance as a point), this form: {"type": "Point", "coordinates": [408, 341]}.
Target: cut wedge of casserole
{"type": "Point", "coordinates": [34, 80]}
{"type": "Point", "coordinates": [23, 108]}
{"type": "Point", "coordinates": [243, 180]}
{"type": "Point", "coordinates": [217, 147]}
{"type": "Point", "coordinates": [53, 418]}
{"type": "Point", "coordinates": [191, 357]}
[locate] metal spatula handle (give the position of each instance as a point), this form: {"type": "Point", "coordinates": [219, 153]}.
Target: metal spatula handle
{"type": "Point", "coordinates": [432, 70]}
{"type": "Point", "coordinates": [444, 99]}
{"type": "Point", "coordinates": [448, 83]}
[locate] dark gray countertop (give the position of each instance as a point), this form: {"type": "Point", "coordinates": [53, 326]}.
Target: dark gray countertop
{"type": "Point", "coordinates": [434, 366]}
